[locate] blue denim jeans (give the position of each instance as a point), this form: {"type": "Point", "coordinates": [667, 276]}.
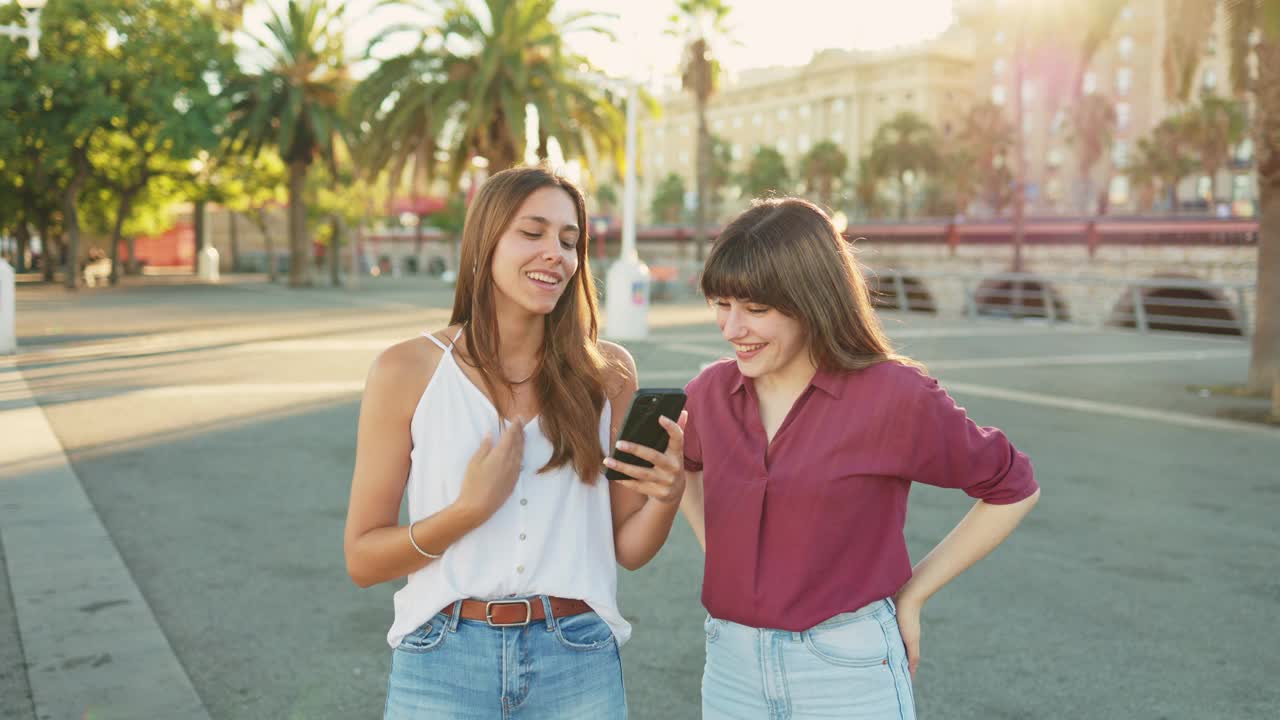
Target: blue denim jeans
{"type": "Point", "coordinates": [853, 665]}
{"type": "Point", "coordinates": [554, 669]}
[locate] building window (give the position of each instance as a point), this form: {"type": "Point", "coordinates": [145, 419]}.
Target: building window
{"type": "Point", "coordinates": [1209, 80]}
{"type": "Point", "coordinates": [1119, 154]}
{"type": "Point", "coordinates": [784, 147]}
{"type": "Point", "coordinates": [838, 105]}
{"type": "Point", "coordinates": [802, 145]}
{"type": "Point", "coordinates": [1124, 79]}
{"type": "Point", "coordinates": [1059, 119]}
{"type": "Point", "coordinates": [999, 38]}
{"type": "Point", "coordinates": [717, 124]}
{"type": "Point", "coordinates": [783, 114]}
{"type": "Point", "coordinates": [804, 111]}
{"type": "Point", "coordinates": [837, 137]}
{"type": "Point", "coordinates": [1055, 157]}
{"type": "Point", "coordinates": [684, 131]}
{"type": "Point", "coordinates": [1028, 91]}
{"type": "Point", "coordinates": [1122, 116]}
{"type": "Point", "coordinates": [735, 151]}
{"type": "Point", "coordinates": [1242, 187]}
{"type": "Point", "coordinates": [684, 157]}
{"type": "Point", "coordinates": [659, 131]}
{"type": "Point", "coordinates": [998, 66]}
{"type": "Point", "coordinates": [756, 119]}
{"type": "Point", "coordinates": [1126, 13]}
{"type": "Point", "coordinates": [1090, 83]}
{"type": "Point", "coordinates": [997, 95]}
{"type": "Point", "coordinates": [737, 121]}
{"type": "Point", "coordinates": [1125, 46]}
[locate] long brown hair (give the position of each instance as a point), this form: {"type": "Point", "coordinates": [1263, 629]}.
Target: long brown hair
{"type": "Point", "coordinates": [786, 254]}
{"type": "Point", "coordinates": [569, 380]}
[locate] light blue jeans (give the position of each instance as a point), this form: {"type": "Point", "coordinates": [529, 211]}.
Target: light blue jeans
{"type": "Point", "coordinates": [554, 669]}
{"type": "Point", "coordinates": [853, 665]}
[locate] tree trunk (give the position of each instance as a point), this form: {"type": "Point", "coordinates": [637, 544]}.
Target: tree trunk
{"type": "Point", "coordinates": [703, 148]}
{"type": "Point", "coordinates": [1264, 360]}
{"type": "Point", "coordinates": [902, 196]}
{"type": "Point", "coordinates": [234, 233]}
{"type": "Point", "coordinates": [71, 220]}
{"type": "Point", "coordinates": [197, 218]}
{"type": "Point", "coordinates": [268, 244]}
{"type": "Point", "coordinates": [23, 234]}
{"type": "Point", "coordinates": [335, 247]}
{"type": "Point", "coordinates": [131, 265]}
{"type": "Point", "coordinates": [299, 251]}
{"type": "Point", "coordinates": [122, 212]}
{"type": "Point", "coordinates": [46, 250]}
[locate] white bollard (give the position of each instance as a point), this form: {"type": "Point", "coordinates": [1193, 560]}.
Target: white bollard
{"type": "Point", "coordinates": [8, 309]}
{"type": "Point", "coordinates": [207, 264]}
{"type": "Point", "coordinates": [627, 300]}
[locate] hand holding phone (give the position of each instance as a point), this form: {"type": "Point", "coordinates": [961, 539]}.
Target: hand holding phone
{"type": "Point", "coordinates": [642, 427]}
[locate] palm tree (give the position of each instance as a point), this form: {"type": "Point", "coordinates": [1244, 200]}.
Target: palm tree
{"type": "Point", "coordinates": [699, 74]}
{"type": "Point", "coordinates": [293, 105]}
{"type": "Point", "coordinates": [905, 146]}
{"type": "Point", "coordinates": [821, 167]}
{"type": "Point", "coordinates": [1254, 30]}
{"type": "Point", "coordinates": [467, 86]}
{"type": "Point", "coordinates": [1093, 126]}
{"type": "Point", "coordinates": [1215, 126]}
{"type": "Point", "coordinates": [720, 175]}
{"type": "Point", "coordinates": [986, 137]}
{"type": "Point", "coordinates": [1145, 171]}
{"type": "Point", "coordinates": [766, 174]}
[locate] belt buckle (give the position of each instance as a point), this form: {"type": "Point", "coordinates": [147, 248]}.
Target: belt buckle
{"type": "Point", "coordinates": [488, 612]}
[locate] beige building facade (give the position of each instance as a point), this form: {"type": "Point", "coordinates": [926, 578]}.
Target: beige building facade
{"type": "Point", "coordinates": [845, 96]}
{"type": "Point", "coordinates": [839, 96]}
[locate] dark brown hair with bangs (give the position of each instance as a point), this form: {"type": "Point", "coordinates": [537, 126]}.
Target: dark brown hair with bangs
{"type": "Point", "coordinates": [786, 254]}
{"type": "Point", "coordinates": [569, 381]}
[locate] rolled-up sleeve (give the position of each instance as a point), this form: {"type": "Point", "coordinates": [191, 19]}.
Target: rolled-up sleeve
{"type": "Point", "coordinates": [950, 450]}
{"type": "Point", "coordinates": [692, 442]}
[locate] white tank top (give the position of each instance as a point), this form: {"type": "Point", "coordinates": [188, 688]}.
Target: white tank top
{"type": "Point", "coordinates": [553, 536]}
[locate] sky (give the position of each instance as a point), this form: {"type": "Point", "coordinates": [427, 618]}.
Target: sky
{"type": "Point", "coordinates": [760, 33]}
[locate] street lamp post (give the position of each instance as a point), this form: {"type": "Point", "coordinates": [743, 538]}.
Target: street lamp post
{"type": "Point", "coordinates": [30, 31]}
{"type": "Point", "coordinates": [8, 278]}
{"type": "Point", "coordinates": [627, 283]}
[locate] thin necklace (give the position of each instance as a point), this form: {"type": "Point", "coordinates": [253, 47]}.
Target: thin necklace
{"type": "Point", "coordinates": [513, 383]}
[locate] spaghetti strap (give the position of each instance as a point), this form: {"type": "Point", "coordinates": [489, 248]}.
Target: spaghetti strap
{"type": "Point", "coordinates": [458, 334]}
{"type": "Point", "coordinates": [436, 340]}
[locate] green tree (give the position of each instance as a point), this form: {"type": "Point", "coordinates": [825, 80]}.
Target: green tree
{"type": "Point", "coordinates": [866, 187]}
{"type": "Point", "coordinates": [766, 174]}
{"type": "Point", "coordinates": [1215, 126]}
{"type": "Point", "coordinates": [986, 140]}
{"type": "Point", "coordinates": [698, 22]}
{"type": "Point", "coordinates": [668, 200]}
{"type": "Point", "coordinates": [905, 148]}
{"type": "Point", "coordinates": [254, 183]}
{"type": "Point", "coordinates": [467, 89]}
{"type": "Point", "coordinates": [293, 105]}
{"type": "Point", "coordinates": [721, 175]}
{"type": "Point", "coordinates": [821, 167]}
{"type": "Point", "coordinates": [1093, 126]}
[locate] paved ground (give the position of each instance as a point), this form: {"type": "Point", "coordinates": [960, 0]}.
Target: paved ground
{"type": "Point", "coordinates": [200, 443]}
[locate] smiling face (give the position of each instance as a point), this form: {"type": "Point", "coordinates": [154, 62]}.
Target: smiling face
{"type": "Point", "coordinates": [537, 254]}
{"type": "Point", "coordinates": [767, 343]}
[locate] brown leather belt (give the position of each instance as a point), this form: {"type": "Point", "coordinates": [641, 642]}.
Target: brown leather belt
{"type": "Point", "coordinates": [513, 613]}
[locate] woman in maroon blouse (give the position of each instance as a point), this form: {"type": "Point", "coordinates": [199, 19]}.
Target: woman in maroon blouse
{"type": "Point", "coordinates": [799, 455]}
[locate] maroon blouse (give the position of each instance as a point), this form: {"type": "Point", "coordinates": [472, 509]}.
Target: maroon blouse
{"type": "Point", "coordinates": [810, 526]}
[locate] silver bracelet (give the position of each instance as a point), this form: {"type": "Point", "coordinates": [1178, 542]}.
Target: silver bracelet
{"type": "Point", "coordinates": [414, 543]}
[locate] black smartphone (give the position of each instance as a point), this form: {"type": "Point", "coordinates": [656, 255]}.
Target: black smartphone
{"type": "Point", "coordinates": [642, 427]}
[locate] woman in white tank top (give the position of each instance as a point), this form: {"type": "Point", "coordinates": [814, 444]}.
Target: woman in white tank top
{"type": "Point", "coordinates": [496, 429]}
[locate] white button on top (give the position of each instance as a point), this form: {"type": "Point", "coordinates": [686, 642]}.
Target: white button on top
{"type": "Point", "coordinates": [519, 568]}
{"type": "Point", "coordinates": [524, 501]}
{"type": "Point", "coordinates": [523, 536]}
